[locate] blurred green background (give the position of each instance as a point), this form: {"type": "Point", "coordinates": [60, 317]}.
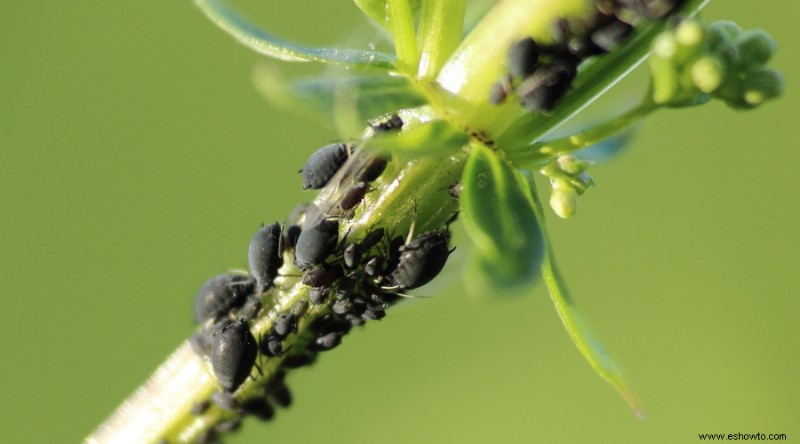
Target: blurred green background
{"type": "Point", "coordinates": [136, 160]}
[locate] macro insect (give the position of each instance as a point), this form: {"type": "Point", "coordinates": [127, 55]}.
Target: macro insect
{"type": "Point", "coordinates": [233, 354]}
{"type": "Point", "coordinates": [264, 256]}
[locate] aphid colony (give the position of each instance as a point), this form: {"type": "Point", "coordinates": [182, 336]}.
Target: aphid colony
{"type": "Point", "coordinates": [350, 281]}
{"type": "Point", "coordinates": [540, 74]}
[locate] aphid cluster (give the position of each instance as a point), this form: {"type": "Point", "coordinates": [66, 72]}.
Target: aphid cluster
{"type": "Point", "coordinates": [540, 74]}
{"type": "Point", "coordinates": [351, 279]}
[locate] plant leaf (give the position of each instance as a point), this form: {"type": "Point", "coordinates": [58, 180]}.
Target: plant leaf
{"type": "Point", "coordinates": [344, 102]}
{"type": "Point", "coordinates": [262, 42]}
{"type": "Point", "coordinates": [376, 10]}
{"type": "Point", "coordinates": [420, 135]}
{"type": "Point", "coordinates": [500, 219]}
{"type": "Point", "coordinates": [583, 338]}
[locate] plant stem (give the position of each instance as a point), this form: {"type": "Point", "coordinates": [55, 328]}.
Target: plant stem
{"type": "Point", "coordinates": [440, 28]}
{"type": "Point", "coordinates": [531, 156]}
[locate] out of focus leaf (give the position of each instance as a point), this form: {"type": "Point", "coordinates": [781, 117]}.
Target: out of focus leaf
{"type": "Point", "coordinates": [588, 345]}
{"type": "Point", "coordinates": [260, 41]}
{"type": "Point", "coordinates": [335, 100]}
{"type": "Point", "coordinates": [376, 9]}
{"type": "Point", "coordinates": [499, 217]}
{"type": "Point", "coordinates": [418, 137]}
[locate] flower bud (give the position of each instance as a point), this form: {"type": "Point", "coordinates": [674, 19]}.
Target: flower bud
{"type": "Point", "coordinates": [571, 164]}
{"type": "Point", "coordinates": [755, 47]}
{"type": "Point", "coordinates": [707, 74]}
{"type": "Point", "coordinates": [564, 202]}
{"type": "Point", "coordinates": [665, 80]}
{"type": "Point", "coordinates": [720, 33]}
{"type": "Point", "coordinates": [762, 85]}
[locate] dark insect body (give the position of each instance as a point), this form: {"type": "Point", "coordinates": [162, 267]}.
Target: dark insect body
{"type": "Point", "coordinates": [374, 266]}
{"type": "Point", "coordinates": [353, 196]}
{"type": "Point", "coordinates": [233, 354]}
{"type": "Point", "coordinates": [198, 408]}
{"type": "Point", "coordinates": [321, 276]}
{"type": "Point", "coordinates": [285, 324]}
{"type": "Point", "coordinates": [225, 401]}
{"type": "Point", "coordinates": [421, 260]}
{"type": "Point", "coordinates": [290, 235]}
{"type": "Point", "coordinates": [315, 244]}
{"type": "Point", "coordinates": [229, 425]}
{"type": "Point", "coordinates": [372, 238]}
{"type": "Point", "coordinates": [387, 123]}
{"type": "Point", "coordinates": [352, 255]}
{"type": "Point", "coordinates": [372, 169]}
{"type": "Point", "coordinates": [264, 256]}
{"type": "Point", "coordinates": [252, 307]}
{"type": "Point", "coordinates": [318, 295]}
{"type": "Point", "coordinates": [523, 58]}
{"type": "Point", "coordinates": [327, 341]}
{"type": "Point", "coordinates": [323, 164]}
{"type": "Point", "coordinates": [541, 91]}
{"type": "Point", "coordinates": [281, 395]}
{"type": "Point", "coordinates": [272, 346]}
{"type": "Point", "coordinates": [300, 360]}
{"type": "Point", "coordinates": [260, 408]}
{"type": "Point", "coordinates": [220, 295]}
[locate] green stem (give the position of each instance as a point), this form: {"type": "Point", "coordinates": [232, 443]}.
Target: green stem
{"type": "Point", "coordinates": [533, 155]}
{"type": "Point", "coordinates": [161, 408]}
{"type": "Point", "coordinates": [441, 24]}
{"type": "Point", "coordinates": [401, 25]}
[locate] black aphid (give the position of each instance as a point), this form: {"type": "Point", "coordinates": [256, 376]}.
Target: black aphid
{"type": "Point", "coordinates": [651, 9]}
{"type": "Point", "coordinates": [233, 354]}
{"type": "Point", "coordinates": [372, 169]}
{"type": "Point", "coordinates": [546, 86]}
{"type": "Point", "coordinates": [300, 308]}
{"type": "Point", "coordinates": [272, 346]}
{"type": "Point", "coordinates": [374, 314]}
{"type": "Point", "coordinates": [353, 196]}
{"type": "Point", "coordinates": [498, 92]}
{"type": "Point", "coordinates": [372, 238]}
{"type": "Point", "coordinates": [346, 285]}
{"type": "Point", "coordinates": [318, 295]}
{"type": "Point", "coordinates": [523, 58]}
{"type": "Point", "coordinates": [281, 395]}
{"type": "Point", "coordinates": [315, 244]}
{"type": "Point", "coordinates": [343, 306]}
{"type": "Point", "coordinates": [297, 361]}
{"type": "Point", "coordinates": [352, 255]}
{"type": "Point", "coordinates": [260, 408]}
{"type": "Point", "coordinates": [264, 256]}
{"type": "Point", "coordinates": [327, 341]}
{"type": "Point", "coordinates": [220, 295]}
{"type": "Point", "coordinates": [421, 260]}
{"type": "Point", "coordinates": [200, 407]}
{"type": "Point", "coordinates": [387, 123]}
{"type": "Point", "coordinates": [207, 437]}
{"type": "Point", "coordinates": [323, 164]}
{"type": "Point", "coordinates": [322, 276]}
{"type": "Point", "coordinates": [229, 425]}
{"type": "Point", "coordinates": [290, 235]}
{"type": "Point", "coordinates": [374, 266]}
{"type": "Point", "coordinates": [354, 320]}
{"type": "Point", "coordinates": [225, 401]}
{"type": "Point", "coordinates": [610, 35]}
{"type": "Point", "coordinates": [251, 307]}
{"type": "Point", "coordinates": [284, 324]}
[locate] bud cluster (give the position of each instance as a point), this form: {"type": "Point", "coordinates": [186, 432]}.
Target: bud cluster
{"type": "Point", "coordinates": [568, 179]}
{"type": "Point", "coordinates": [692, 63]}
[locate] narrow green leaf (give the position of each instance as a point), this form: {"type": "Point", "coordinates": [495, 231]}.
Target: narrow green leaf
{"type": "Point", "coordinates": [345, 102]}
{"type": "Point", "coordinates": [262, 42]}
{"type": "Point", "coordinates": [418, 137]}
{"type": "Point", "coordinates": [401, 25]}
{"type": "Point", "coordinates": [376, 10]}
{"type": "Point", "coordinates": [596, 76]}
{"type": "Point", "coordinates": [441, 25]}
{"type": "Point", "coordinates": [583, 338]}
{"type": "Point", "coordinates": [499, 217]}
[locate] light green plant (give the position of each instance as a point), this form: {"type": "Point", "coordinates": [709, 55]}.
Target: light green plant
{"type": "Point", "coordinates": [454, 139]}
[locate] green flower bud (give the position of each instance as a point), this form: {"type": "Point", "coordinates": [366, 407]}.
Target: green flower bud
{"type": "Point", "coordinates": [719, 33]}
{"type": "Point", "coordinates": [571, 164]}
{"type": "Point", "coordinates": [708, 73]}
{"type": "Point", "coordinates": [762, 85]}
{"type": "Point", "coordinates": [665, 46]}
{"type": "Point", "coordinates": [564, 202]}
{"type": "Point", "coordinates": [581, 182]}
{"type": "Point", "coordinates": [755, 47]}
{"type": "Point", "coordinates": [689, 37]}
{"type": "Point", "coordinates": [664, 80]}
